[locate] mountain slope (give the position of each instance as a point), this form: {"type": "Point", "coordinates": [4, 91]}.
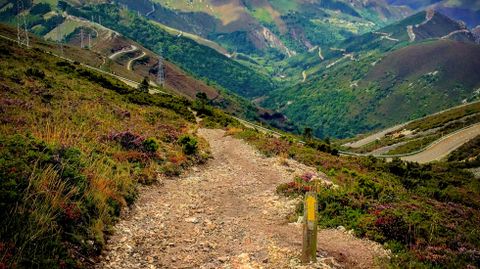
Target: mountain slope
{"type": "Point", "coordinates": [255, 27]}
{"type": "Point", "coordinates": [467, 11]}
{"type": "Point", "coordinates": [201, 61]}
{"type": "Point", "coordinates": [74, 147]}
{"type": "Point", "coordinates": [383, 78]}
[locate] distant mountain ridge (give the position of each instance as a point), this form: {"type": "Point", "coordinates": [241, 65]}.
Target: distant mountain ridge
{"type": "Point", "coordinates": [385, 77]}
{"type": "Point", "coordinates": [339, 67]}
{"type": "Point", "coordinates": [255, 27]}
{"type": "Point", "coordinates": [467, 11]}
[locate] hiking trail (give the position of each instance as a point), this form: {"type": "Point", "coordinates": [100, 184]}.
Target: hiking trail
{"type": "Point", "coordinates": [226, 214]}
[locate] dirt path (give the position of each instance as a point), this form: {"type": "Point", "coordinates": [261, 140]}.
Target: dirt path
{"type": "Point", "coordinates": [411, 34]}
{"type": "Point", "coordinates": [226, 215]}
{"type": "Point", "coordinates": [152, 11]}
{"type": "Point", "coordinates": [130, 63]}
{"type": "Point", "coordinates": [123, 51]}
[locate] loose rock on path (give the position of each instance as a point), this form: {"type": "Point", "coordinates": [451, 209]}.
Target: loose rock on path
{"type": "Point", "coordinates": [226, 215]}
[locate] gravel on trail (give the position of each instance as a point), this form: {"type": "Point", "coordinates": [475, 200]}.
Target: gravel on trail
{"type": "Point", "coordinates": [225, 214]}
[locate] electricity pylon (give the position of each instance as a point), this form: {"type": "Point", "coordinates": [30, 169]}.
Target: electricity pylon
{"type": "Point", "coordinates": [161, 72]}
{"type": "Point", "coordinates": [22, 39]}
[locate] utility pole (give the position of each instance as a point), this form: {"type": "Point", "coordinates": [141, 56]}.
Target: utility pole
{"type": "Point", "coordinates": [81, 38]}
{"type": "Point", "coordinates": [161, 72]}
{"type": "Point", "coordinates": [89, 40]}
{"type": "Point", "coordinates": [60, 39]}
{"type": "Point", "coordinates": [27, 39]}
{"type": "Point", "coordinates": [20, 39]}
{"type": "Point", "coordinates": [18, 26]}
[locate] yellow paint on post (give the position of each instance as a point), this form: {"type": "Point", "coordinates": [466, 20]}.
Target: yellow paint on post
{"type": "Point", "coordinates": [309, 250]}
{"type": "Point", "coordinates": [311, 208]}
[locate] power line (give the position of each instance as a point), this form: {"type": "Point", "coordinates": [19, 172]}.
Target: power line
{"type": "Point", "coordinates": [20, 39]}
{"type": "Point", "coordinates": [18, 24]}
{"type": "Point", "coordinates": [60, 39]}
{"type": "Point", "coordinates": [81, 38]}
{"type": "Point", "coordinates": [161, 72]}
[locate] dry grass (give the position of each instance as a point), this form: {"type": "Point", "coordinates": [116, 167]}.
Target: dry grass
{"type": "Point", "coordinates": [78, 196]}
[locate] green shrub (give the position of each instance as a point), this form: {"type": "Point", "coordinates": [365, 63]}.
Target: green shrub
{"type": "Point", "coordinates": [150, 145]}
{"type": "Point", "coordinates": [35, 73]}
{"type": "Point", "coordinates": [189, 144]}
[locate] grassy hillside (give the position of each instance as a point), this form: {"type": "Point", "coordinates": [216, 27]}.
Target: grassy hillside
{"type": "Point", "coordinates": [427, 215]}
{"type": "Point", "coordinates": [420, 133]}
{"type": "Point", "coordinates": [200, 61]}
{"type": "Point", "coordinates": [467, 11]}
{"type": "Point", "coordinates": [292, 26]}
{"type": "Point", "coordinates": [105, 42]}
{"type": "Point", "coordinates": [74, 147]}
{"type": "Point", "coordinates": [381, 78]}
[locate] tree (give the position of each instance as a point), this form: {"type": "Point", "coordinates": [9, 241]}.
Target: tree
{"type": "Point", "coordinates": [308, 133]}
{"type": "Point", "coordinates": [202, 97]}
{"type": "Point", "coordinates": [62, 5]}
{"type": "Point", "coordinates": [144, 85]}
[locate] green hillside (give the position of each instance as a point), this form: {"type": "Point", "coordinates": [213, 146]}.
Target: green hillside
{"type": "Point", "coordinates": [78, 146]}
{"type": "Point", "coordinates": [382, 78]}
{"type": "Point", "coordinates": [200, 61]}
{"type": "Point", "coordinates": [74, 147]}
{"type": "Point", "coordinates": [293, 26]}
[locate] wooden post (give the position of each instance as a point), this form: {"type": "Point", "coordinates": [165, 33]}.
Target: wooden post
{"type": "Point", "coordinates": [309, 252]}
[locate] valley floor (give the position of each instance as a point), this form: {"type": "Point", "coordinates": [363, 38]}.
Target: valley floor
{"type": "Point", "coordinates": [226, 215]}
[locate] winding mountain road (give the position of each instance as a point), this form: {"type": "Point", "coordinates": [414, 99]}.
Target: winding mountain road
{"type": "Point", "coordinates": [129, 65]}
{"type": "Point", "coordinates": [444, 146]}
{"type": "Point", "coordinates": [123, 51]}
{"type": "Point", "coordinates": [152, 11]}
{"type": "Point", "coordinates": [369, 139]}
{"type": "Point", "coordinates": [366, 140]}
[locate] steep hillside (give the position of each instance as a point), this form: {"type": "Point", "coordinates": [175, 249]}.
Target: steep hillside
{"type": "Point", "coordinates": [75, 146]}
{"type": "Point", "coordinates": [106, 53]}
{"type": "Point", "coordinates": [256, 27]}
{"type": "Point", "coordinates": [111, 51]}
{"type": "Point", "coordinates": [198, 60]}
{"type": "Point", "coordinates": [453, 77]}
{"type": "Point", "coordinates": [414, 29]}
{"type": "Point", "coordinates": [467, 11]}
{"type": "Point", "coordinates": [419, 135]}
{"type": "Point", "coordinates": [384, 77]}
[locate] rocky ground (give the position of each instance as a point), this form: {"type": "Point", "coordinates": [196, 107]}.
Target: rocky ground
{"type": "Point", "coordinates": [226, 215]}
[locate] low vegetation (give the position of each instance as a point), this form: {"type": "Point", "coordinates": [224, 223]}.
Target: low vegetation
{"type": "Point", "coordinates": [422, 132]}
{"type": "Point", "coordinates": [468, 155]}
{"type": "Point", "coordinates": [201, 61]}
{"type": "Point", "coordinates": [74, 147]}
{"type": "Point", "coordinates": [415, 145]}
{"type": "Point", "coordinates": [427, 215]}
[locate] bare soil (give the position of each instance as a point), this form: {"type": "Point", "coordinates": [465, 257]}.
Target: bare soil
{"type": "Point", "coordinates": [226, 214]}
